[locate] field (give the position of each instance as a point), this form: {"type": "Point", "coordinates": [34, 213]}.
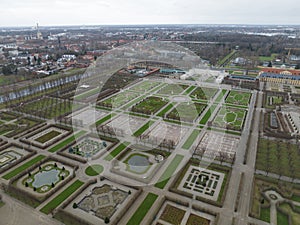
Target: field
{"type": "Point", "coordinates": [149, 105]}
{"type": "Point", "coordinates": [172, 215]}
{"type": "Point", "coordinates": [197, 220]}
{"type": "Point", "coordinates": [207, 115]}
{"type": "Point", "coordinates": [163, 180]}
{"type": "Point", "coordinates": [94, 170]}
{"type": "Point", "coordinates": [203, 93]}
{"type": "Point", "coordinates": [186, 112]}
{"type": "Point", "coordinates": [16, 127]}
{"type": "Point", "coordinates": [278, 157]}
{"type": "Point", "coordinates": [191, 139]}
{"type": "Point", "coordinates": [144, 207]}
{"type": "Point", "coordinates": [23, 167]}
{"type": "Point", "coordinates": [67, 141]}
{"type": "Point", "coordinates": [238, 98]}
{"type": "Point", "coordinates": [49, 108]}
{"type": "Point", "coordinates": [144, 86]}
{"type": "Point", "coordinates": [172, 89]}
{"type": "Point", "coordinates": [119, 99]}
{"type": "Point", "coordinates": [61, 197]}
{"type": "Point", "coordinates": [230, 118]}
{"type": "Point", "coordinates": [46, 137]}
{"type": "Point", "coordinates": [287, 209]}
{"type": "Point", "coordinates": [116, 151]}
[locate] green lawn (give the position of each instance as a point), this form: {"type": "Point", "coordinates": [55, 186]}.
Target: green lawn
{"type": "Point", "coordinates": [87, 94]}
{"type": "Point", "coordinates": [94, 170]}
{"type": "Point", "coordinates": [104, 119]}
{"type": "Point", "coordinates": [163, 180]}
{"type": "Point", "coordinates": [149, 105]}
{"type": "Point", "coordinates": [67, 141]}
{"type": "Point", "coordinates": [46, 137]}
{"type": "Point", "coordinates": [238, 98]}
{"type": "Point", "coordinates": [187, 91]}
{"type": "Point", "coordinates": [116, 151]}
{"type": "Point", "coordinates": [278, 157]}
{"type": "Point", "coordinates": [141, 212]}
{"type": "Point", "coordinates": [203, 93]}
{"type": "Point", "coordinates": [191, 139]}
{"type": "Point", "coordinates": [207, 115]}
{"type": "Point", "coordinates": [143, 128]}
{"type": "Point", "coordinates": [23, 167]}
{"type": "Point", "coordinates": [61, 197]}
{"type": "Point", "coordinates": [186, 112]}
{"type": "Point", "coordinates": [282, 219]}
{"type": "Point", "coordinates": [221, 95]}
{"type": "Point", "coordinates": [265, 214]}
{"type": "Point", "coordinates": [165, 110]}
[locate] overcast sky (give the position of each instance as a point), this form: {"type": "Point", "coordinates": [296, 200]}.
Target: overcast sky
{"type": "Point", "coordinates": [94, 12]}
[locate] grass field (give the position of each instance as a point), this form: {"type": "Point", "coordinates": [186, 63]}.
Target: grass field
{"type": "Point", "coordinates": [207, 115]}
{"type": "Point", "coordinates": [188, 143]}
{"type": "Point", "coordinates": [203, 93]}
{"type": "Point", "coordinates": [265, 214]}
{"type": "Point", "coordinates": [220, 96]}
{"type": "Point", "coordinates": [94, 170]}
{"type": "Point", "coordinates": [289, 211]}
{"type": "Point", "coordinates": [163, 180]}
{"type": "Point", "coordinates": [144, 207]}
{"type": "Point", "coordinates": [61, 197]}
{"type": "Point", "coordinates": [144, 86]}
{"type": "Point", "coordinates": [116, 151]}
{"type": "Point", "coordinates": [23, 167]}
{"type": "Point", "coordinates": [104, 119]}
{"type": "Point", "coordinates": [197, 220]}
{"type": "Point", "coordinates": [149, 105]}
{"type": "Point", "coordinates": [186, 112]}
{"type": "Point", "coordinates": [282, 219]}
{"type": "Point", "coordinates": [172, 89]}
{"type": "Point", "coordinates": [268, 58]}
{"type": "Point", "coordinates": [87, 94]}
{"type": "Point", "coordinates": [67, 141]}
{"type": "Point", "coordinates": [278, 157]}
{"type": "Point", "coordinates": [119, 99]}
{"type": "Point", "coordinates": [143, 128]}
{"type": "Point", "coordinates": [46, 137]}
{"type": "Point", "coordinates": [230, 118]}
{"type": "Point", "coordinates": [238, 98]}
{"type": "Point", "coordinates": [165, 110]}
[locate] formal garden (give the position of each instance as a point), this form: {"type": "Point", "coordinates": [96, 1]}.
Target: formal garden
{"type": "Point", "coordinates": [46, 177]}
{"type": "Point", "coordinates": [203, 93]}
{"type": "Point", "coordinates": [187, 112]}
{"type": "Point", "coordinates": [238, 98]}
{"type": "Point", "coordinates": [172, 89]}
{"type": "Point", "coordinates": [230, 118]}
{"type": "Point", "coordinates": [149, 105]}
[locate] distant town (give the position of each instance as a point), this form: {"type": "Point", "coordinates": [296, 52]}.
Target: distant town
{"type": "Point", "coordinates": [150, 124]}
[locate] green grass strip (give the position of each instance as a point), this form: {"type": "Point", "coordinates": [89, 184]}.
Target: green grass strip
{"type": "Point", "coordinates": [61, 197]}
{"type": "Point", "coordinates": [116, 151]}
{"type": "Point", "coordinates": [163, 180]}
{"type": "Point", "coordinates": [87, 94]}
{"type": "Point", "coordinates": [191, 139]}
{"type": "Point", "coordinates": [67, 141]}
{"type": "Point", "coordinates": [221, 95]}
{"type": "Point", "coordinates": [189, 90]}
{"type": "Point", "coordinates": [144, 207]}
{"type": "Point", "coordinates": [104, 119]}
{"type": "Point", "coordinates": [207, 115]}
{"type": "Point", "coordinates": [165, 110]}
{"type": "Point", "coordinates": [23, 167]}
{"type": "Point", "coordinates": [143, 128]}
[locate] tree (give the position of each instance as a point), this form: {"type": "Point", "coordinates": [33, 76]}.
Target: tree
{"type": "Point", "coordinates": [75, 205]}
{"type": "Point", "coordinates": [106, 220]}
{"type": "Point", "coordinates": [270, 64]}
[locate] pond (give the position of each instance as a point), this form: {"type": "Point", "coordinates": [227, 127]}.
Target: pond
{"type": "Point", "coordinates": [138, 163]}
{"type": "Point", "coordinates": [46, 178]}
